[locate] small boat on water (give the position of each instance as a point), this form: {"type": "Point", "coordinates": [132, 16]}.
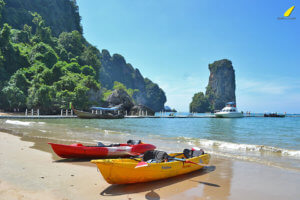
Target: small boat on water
{"type": "Point", "coordinates": [124, 171]}
{"type": "Point", "coordinates": [100, 113]}
{"type": "Point", "coordinates": [229, 111]}
{"type": "Point", "coordinates": [274, 115]}
{"type": "Point", "coordinates": [77, 150]}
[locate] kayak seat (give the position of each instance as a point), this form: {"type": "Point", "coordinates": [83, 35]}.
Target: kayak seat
{"type": "Point", "coordinates": [158, 156]}
{"type": "Point", "coordinates": [113, 145]}
{"type": "Point", "coordinates": [187, 153]}
{"type": "Point", "coordinates": [134, 142]}
{"type": "Point", "coordinates": [193, 153]}
{"type": "Point", "coordinates": [100, 144]}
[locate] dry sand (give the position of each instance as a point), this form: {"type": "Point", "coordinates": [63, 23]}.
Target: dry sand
{"type": "Point", "coordinates": [27, 173]}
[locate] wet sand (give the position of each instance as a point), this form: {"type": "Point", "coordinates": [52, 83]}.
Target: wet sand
{"type": "Point", "coordinates": [29, 170]}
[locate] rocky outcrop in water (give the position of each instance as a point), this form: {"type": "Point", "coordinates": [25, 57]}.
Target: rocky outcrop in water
{"type": "Point", "coordinates": [115, 68]}
{"type": "Point", "coordinates": [121, 99]}
{"type": "Point", "coordinates": [221, 84]}
{"type": "Point", "coordinates": [220, 88]}
{"type": "Point", "coordinates": [141, 110]}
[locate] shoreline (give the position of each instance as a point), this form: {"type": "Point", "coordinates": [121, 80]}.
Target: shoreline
{"type": "Point", "coordinates": [34, 174]}
{"type": "Point", "coordinates": [248, 152]}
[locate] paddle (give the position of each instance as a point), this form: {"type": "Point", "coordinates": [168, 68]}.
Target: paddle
{"type": "Point", "coordinates": [145, 164]}
{"type": "Point", "coordinates": [188, 161]}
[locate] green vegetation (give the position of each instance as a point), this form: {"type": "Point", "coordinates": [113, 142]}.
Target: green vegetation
{"type": "Point", "coordinates": [37, 72]}
{"type": "Point", "coordinates": [119, 86]}
{"type": "Point", "coordinates": [60, 15]}
{"type": "Point", "coordinates": [200, 103]}
{"type": "Point", "coordinates": [219, 64]}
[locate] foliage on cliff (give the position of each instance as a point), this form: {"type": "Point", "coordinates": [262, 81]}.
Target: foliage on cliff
{"type": "Point", "coordinates": [220, 88]}
{"type": "Point", "coordinates": [42, 71]}
{"type": "Point", "coordinates": [60, 15]}
{"type": "Point", "coordinates": [199, 103]}
{"type": "Point", "coordinates": [119, 86]}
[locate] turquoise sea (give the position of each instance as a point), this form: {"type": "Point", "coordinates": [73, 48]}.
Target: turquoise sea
{"type": "Point", "coordinates": [269, 141]}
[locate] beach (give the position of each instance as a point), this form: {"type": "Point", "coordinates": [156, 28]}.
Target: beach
{"type": "Point", "coordinates": [29, 170]}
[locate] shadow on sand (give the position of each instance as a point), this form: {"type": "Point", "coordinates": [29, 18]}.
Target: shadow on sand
{"type": "Point", "coordinates": [66, 160]}
{"type": "Point", "coordinates": [115, 190]}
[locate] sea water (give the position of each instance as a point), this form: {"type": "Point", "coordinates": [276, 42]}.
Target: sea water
{"type": "Point", "coordinates": [269, 141]}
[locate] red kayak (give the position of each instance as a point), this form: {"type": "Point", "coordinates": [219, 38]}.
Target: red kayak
{"type": "Point", "coordinates": [100, 151]}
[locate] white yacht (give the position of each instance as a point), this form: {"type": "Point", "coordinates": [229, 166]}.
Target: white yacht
{"type": "Point", "coordinates": [229, 111]}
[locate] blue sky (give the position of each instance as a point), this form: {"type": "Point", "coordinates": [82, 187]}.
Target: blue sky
{"type": "Point", "coordinates": [173, 41]}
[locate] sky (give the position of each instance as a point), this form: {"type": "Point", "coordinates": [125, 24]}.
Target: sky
{"type": "Point", "coordinates": [173, 41]}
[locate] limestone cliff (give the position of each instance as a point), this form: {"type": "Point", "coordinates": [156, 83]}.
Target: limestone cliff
{"type": "Point", "coordinates": [115, 68]}
{"type": "Point", "coordinates": [220, 88]}
{"type": "Point", "coordinates": [221, 84]}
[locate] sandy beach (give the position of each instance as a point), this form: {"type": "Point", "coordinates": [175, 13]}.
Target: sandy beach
{"type": "Point", "coordinates": [29, 170]}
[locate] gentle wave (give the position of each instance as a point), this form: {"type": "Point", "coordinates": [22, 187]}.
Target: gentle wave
{"type": "Point", "coordinates": [229, 146]}
{"type": "Point", "coordinates": [22, 123]}
{"type": "Point", "coordinates": [16, 122]}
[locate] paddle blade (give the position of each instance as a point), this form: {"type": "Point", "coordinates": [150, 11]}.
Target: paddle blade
{"type": "Point", "coordinates": [141, 164]}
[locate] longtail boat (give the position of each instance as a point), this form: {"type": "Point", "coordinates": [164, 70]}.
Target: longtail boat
{"type": "Point", "coordinates": [100, 113]}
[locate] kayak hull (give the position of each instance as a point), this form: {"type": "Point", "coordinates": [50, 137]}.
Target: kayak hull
{"type": "Point", "coordinates": [123, 171]}
{"type": "Point", "coordinates": [81, 151]}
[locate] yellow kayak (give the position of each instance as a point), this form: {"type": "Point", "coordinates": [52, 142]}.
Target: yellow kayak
{"type": "Point", "coordinates": [124, 171]}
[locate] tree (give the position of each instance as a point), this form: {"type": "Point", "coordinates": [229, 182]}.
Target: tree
{"type": "Point", "coordinates": [44, 53]}
{"type": "Point", "coordinates": [88, 70]}
{"type": "Point", "coordinates": [73, 67]}
{"type": "Point", "coordinates": [199, 103]}
{"type": "Point", "coordinates": [81, 97]}
{"type": "Point", "coordinates": [10, 57]}
{"type": "Point", "coordinates": [41, 97]}
{"type": "Point", "coordinates": [14, 96]}
{"type": "Point", "coordinates": [72, 43]}
{"type": "Point", "coordinates": [20, 81]}
{"type": "Point", "coordinates": [42, 33]}
{"type": "Point", "coordinates": [91, 57]}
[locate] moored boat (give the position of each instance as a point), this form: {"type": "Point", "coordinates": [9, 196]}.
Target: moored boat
{"type": "Point", "coordinates": [124, 171]}
{"type": "Point", "coordinates": [229, 111]}
{"type": "Point", "coordinates": [101, 151]}
{"type": "Point", "coordinates": [274, 115]}
{"type": "Point", "coordinates": [99, 113]}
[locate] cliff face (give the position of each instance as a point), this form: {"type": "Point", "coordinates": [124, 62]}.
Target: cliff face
{"type": "Point", "coordinates": [115, 68]}
{"type": "Point", "coordinates": [60, 15]}
{"type": "Point", "coordinates": [220, 88]}
{"type": "Point", "coordinates": [221, 84]}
